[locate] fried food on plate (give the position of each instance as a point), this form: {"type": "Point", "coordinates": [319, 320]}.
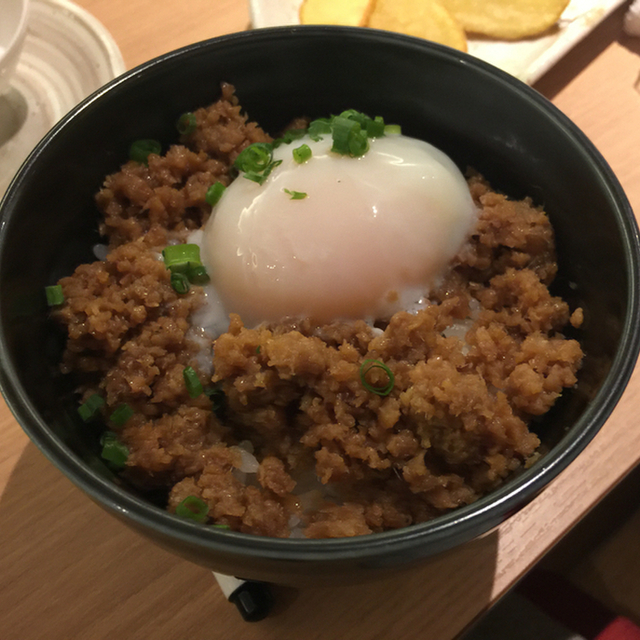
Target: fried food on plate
{"type": "Point", "coordinates": [507, 19]}
{"type": "Point", "coordinates": [353, 13]}
{"type": "Point", "coordinates": [427, 19]}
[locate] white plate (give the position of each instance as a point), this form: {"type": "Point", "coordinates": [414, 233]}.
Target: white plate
{"type": "Point", "coordinates": [526, 59]}
{"type": "Point", "coordinates": [67, 55]}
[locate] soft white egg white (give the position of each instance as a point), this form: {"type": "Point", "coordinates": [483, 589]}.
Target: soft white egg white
{"type": "Point", "coordinates": [372, 235]}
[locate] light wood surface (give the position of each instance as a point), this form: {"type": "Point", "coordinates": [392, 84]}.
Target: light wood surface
{"type": "Point", "coordinates": [68, 570]}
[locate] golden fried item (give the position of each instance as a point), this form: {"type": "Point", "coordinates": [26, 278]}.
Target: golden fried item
{"type": "Point", "coordinates": [506, 19]}
{"type": "Point", "coordinates": [427, 19]}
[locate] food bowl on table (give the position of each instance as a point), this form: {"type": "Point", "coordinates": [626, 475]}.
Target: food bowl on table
{"type": "Point", "coordinates": [480, 116]}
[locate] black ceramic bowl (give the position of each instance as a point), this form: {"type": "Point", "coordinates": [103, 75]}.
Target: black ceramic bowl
{"type": "Point", "coordinates": [477, 114]}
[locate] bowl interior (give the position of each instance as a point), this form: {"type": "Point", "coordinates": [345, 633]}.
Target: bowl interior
{"type": "Point", "coordinates": [479, 116]}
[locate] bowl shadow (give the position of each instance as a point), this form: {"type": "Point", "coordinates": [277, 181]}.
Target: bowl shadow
{"type": "Point", "coordinates": [584, 53]}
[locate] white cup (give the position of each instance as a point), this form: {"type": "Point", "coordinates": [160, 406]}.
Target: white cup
{"type": "Point", "coordinates": [13, 29]}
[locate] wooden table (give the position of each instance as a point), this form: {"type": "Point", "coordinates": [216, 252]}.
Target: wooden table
{"type": "Point", "coordinates": [68, 570]}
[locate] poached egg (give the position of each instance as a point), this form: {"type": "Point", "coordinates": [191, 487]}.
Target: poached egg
{"type": "Point", "coordinates": [364, 238]}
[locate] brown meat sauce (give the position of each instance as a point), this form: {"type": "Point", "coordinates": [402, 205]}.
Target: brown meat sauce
{"type": "Point", "coordinates": [471, 370]}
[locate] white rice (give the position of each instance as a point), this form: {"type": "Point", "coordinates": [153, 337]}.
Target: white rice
{"type": "Point", "coordinates": [100, 251]}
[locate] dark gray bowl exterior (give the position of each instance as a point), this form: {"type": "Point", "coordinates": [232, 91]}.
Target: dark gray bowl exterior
{"type": "Point", "coordinates": [478, 115]}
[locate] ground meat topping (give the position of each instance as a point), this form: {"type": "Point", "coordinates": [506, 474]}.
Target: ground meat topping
{"type": "Point", "coordinates": [298, 446]}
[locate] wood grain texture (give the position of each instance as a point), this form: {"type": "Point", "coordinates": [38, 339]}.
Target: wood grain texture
{"type": "Point", "coordinates": [144, 29]}
{"type": "Point", "coordinates": [69, 570]}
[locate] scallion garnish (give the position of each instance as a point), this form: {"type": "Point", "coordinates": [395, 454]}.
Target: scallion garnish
{"type": "Point", "coordinates": [358, 144]}
{"type": "Point", "coordinates": [183, 260]}
{"type": "Point", "coordinates": [121, 415]}
{"type": "Point", "coordinates": [348, 137]}
{"type": "Point", "coordinates": [179, 282]}
{"type": "Point", "coordinates": [140, 150]}
{"type": "Point", "coordinates": [255, 177]}
{"type": "Point", "coordinates": [90, 408]}
{"type": "Point", "coordinates": [186, 124]}
{"type": "Point", "coordinates": [296, 195]}
{"type": "Point", "coordinates": [318, 128]}
{"type": "Point", "coordinates": [192, 382]}
{"type": "Point", "coordinates": [221, 526]}
{"type": "Point", "coordinates": [271, 167]}
{"type": "Point", "coordinates": [256, 157]}
{"type": "Point", "coordinates": [256, 161]}
{"type": "Point", "coordinates": [392, 129]}
{"type": "Point", "coordinates": [289, 136]}
{"type": "Point", "coordinates": [193, 508]}
{"type": "Point", "coordinates": [197, 274]}
{"type": "Point", "coordinates": [178, 257]}
{"type": "Point", "coordinates": [214, 193]}
{"type": "Point", "coordinates": [381, 390]}
{"type": "Point", "coordinates": [217, 397]}
{"type": "Point", "coordinates": [302, 153]}
{"type": "Point", "coordinates": [356, 116]}
{"type": "Point", "coordinates": [113, 451]}
{"type": "Point", "coordinates": [350, 132]}
{"type": "Point", "coordinates": [260, 177]}
{"type": "Point", "coordinates": [54, 294]}
{"type": "Point", "coordinates": [375, 127]}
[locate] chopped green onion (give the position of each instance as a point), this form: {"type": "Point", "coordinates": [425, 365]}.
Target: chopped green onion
{"type": "Point", "coordinates": [90, 408]}
{"type": "Point", "coordinates": [121, 415]}
{"type": "Point", "coordinates": [183, 260]}
{"type": "Point", "coordinates": [392, 129]}
{"type": "Point", "coordinates": [256, 157]}
{"type": "Point", "coordinates": [258, 349]}
{"type": "Point", "coordinates": [302, 153]}
{"type": "Point", "coordinates": [193, 508]}
{"type": "Point", "coordinates": [289, 136]}
{"type": "Point", "coordinates": [217, 397]}
{"type": "Point", "coordinates": [186, 124]}
{"type": "Point", "coordinates": [261, 177]}
{"type": "Point", "coordinates": [214, 193]}
{"type": "Point", "coordinates": [271, 167]}
{"type": "Point", "coordinates": [348, 137]}
{"type": "Point", "coordinates": [294, 134]}
{"type": "Point", "coordinates": [54, 294]}
{"type": "Point", "coordinates": [369, 365]}
{"type": "Point", "coordinates": [197, 274]}
{"type": "Point", "coordinates": [222, 526]}
{"type": "Point", "coordinates": [191, 380]}
{"type": "Point", "coordinates": [140, 150]}
{"type": "Point", "coordinates": [179, 282]}
{"type": "Point", "coordinates": [318, 128]}
{"type": "Point", "coordinates": [113, 450]}
{"type": "Point", "coordinates": [352, 114]}
{"type": "Point", "coordinates": [358, 144]}
{"type": "Point", "coordinates": [375, 127]}
{"type": "Point", "coordinates": [255, 177]}
{"type": "Point", "coordinates": [341, 131]}
{"type": "Point", "coordinates": [361, 118]}
{"type": "Point", "coordinates": [181, 256]}
{"type": "Point", "coordinates": [296, 195]}
{"type": "Point", "coordinates": [350, 132]}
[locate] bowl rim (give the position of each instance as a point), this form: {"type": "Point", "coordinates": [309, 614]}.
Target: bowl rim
{"type": "Point", "coordinates": [446, 530]}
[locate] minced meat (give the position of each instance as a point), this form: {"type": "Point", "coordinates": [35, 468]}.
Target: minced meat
{"type": "Point", "coordinates": [292, 443]}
